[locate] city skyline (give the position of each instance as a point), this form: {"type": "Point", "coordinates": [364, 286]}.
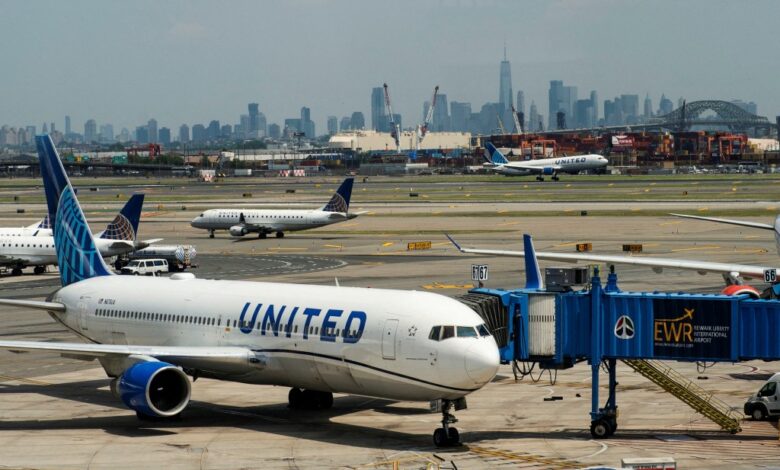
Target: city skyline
{"type": "Point", "coordinates": [174, 74]}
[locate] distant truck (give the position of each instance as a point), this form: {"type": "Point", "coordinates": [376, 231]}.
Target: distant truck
{"type": "Point", "coordinates": [765, 402]}
{"type": "Point", "coordinates": [179, 257]}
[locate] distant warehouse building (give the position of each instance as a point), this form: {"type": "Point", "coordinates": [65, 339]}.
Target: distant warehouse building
{"type": "Point", "coordinates": [372, 141]}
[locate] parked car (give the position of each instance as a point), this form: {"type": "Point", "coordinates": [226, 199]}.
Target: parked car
{"type": "Point", "coordinates": [146, 267]}
{"type": "Point", "coordinates": [766, 402]}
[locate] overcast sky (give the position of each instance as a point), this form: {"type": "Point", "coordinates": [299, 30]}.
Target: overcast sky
{"type": "Point", "coordinates": [181, 61]}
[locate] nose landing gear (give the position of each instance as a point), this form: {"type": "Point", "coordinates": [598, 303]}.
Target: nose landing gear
{"type": "Point", "coordinates": [446, 435]}
{"type": "Point", "coordinates": [211, 234]}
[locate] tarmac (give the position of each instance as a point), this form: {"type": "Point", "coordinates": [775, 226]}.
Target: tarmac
{"type": "Point", "coordinates": [58, 413]}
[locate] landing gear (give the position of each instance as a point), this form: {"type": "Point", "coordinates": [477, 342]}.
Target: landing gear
{"type": "Point", "coordinates": [17, 271]}
{"type": "Point", "coordinates": [447, 436]}
{"type": "Point", "coordinates": [39, 269]}
{"type": "Point", "coordinates": [279, 234]}
{"type": "Point", "coordinates": [309, 399]}
{"type": "Point", "coordinates": [211, 234]}
{"type": "Point", "coordinates": [555, 178]}
{"type": "Point", "coordinates": [540, 178]}
{"type": "Point", "coordinates": [262, 235]}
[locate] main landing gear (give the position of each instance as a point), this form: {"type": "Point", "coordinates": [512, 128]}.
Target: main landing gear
{"type": "Point", "coordinates": [279, 234]}
{"type": "Point", "coordinates": [262, 235]}
{"type": "Point", "coordinates": [211, 234]}
{"type": "Point", "coordinates": [299, 399]}
{"type": "Point", "coordinates": [17, 271]}
{"type": "Point", "coordinates": [39, 269]}
{"type": "Point", "coordinates": [446, 435]}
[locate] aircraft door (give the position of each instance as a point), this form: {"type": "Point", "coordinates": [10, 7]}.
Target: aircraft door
{"type": "Point", "coordinates": [388, 339]}
{"type": "Point", "coordinates": [84, 307]}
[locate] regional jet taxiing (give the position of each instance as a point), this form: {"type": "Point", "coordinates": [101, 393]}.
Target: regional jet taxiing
{"type": "Point", "coordinates": [317, 340]}
{"type": "Point", "coordinates": [544, 166]}
{"type": "Point", "coordinates": [240, 222]}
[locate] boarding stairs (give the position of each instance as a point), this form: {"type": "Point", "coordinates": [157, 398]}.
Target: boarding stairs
{"type": "Point", "coordinates": [702, 401]}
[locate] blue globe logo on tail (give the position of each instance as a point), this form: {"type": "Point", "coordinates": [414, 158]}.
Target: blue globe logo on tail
{"type": "Point", "coordinates": [340, 201]}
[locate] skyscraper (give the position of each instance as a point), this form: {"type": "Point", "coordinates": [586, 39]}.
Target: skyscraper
{"type": "Point", "coordinates": [67, 125]}
{"type": "Point", "coordinates": [90, 131]}
{"type": "Point", "coordinates": [520, 106]}
{"type": "Point", "coordinates": [106, 133]}
{"type": "Point", "coordinates": [333, 125]}
{"type": "Point", "coordinates": [345, 124]}
{"type": "Point", "coordinates": [165, 136]}
{"type": "Point", "coordinates": [648, 108]}
{"type": "Point", "coordinates": [253, 120]}
{"type": "Point", "coordinates": [594, 101]}
{"type": "Point", "coordinates": [665, 106]}
{"type": "Point", "coordinates": [459, 116]}
{"type": "Point", "coordinates": [184, 133]}
{"type": "Point", "coordinates": [533, 118]}
{"type": "Point", "coordinates": [505, 85]}
{"type": "Point", "coordinates": [555, 101]}
{"type": "Point", "coordinates": [152, 128]}
{"type": "Point", "coordinates": [358, 121]}
{"type": "Point", "coordinates": [378, 119]}
{"type": "Point", "coordinates": [307, 125]}
{"type": "Point", "coordinates": [441, 114]}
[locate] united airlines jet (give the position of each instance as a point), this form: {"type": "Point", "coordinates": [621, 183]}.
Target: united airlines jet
{"type": "Point", "coordinates": [240, 222]}
{"type": "Point", "coordinates": [543, 166]}
{"type": "Point", "coordinates": [317, 340]}
{"type": "Point", "coordinates": [119, 237]}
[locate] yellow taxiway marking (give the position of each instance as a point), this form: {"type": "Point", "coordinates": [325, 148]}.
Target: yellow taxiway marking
{"type": "Point", "coordinates": [547, 462]}
{"type": "Point", "coordinates": [440, 243]}
{"type": "Point", "coordinates": [385, 244]}
{"type": "Point", "coordinates": [670, 223]}
{"type": "Point", "coordinates": [704, 209]}
{"type": "Point", "coordinates": [288, 249]}
{"type": "Point", "coordinates": [333, 246]}
{"type": "Point", "coordinates": [437, 285]}
{"type": "Point", "coordinates": [505, 224]}
{"type": "Point", "coordinates": [567, 244]}
{"type": "Point", "coordinates": [748, 237]}
{"type": "Point", "coordinates": [751, 251]}
{"type": "Point", "coordinates": [697, 248]}
{"type": "Point", "coordinates": [503, 211]}
{"type": "Point", "coordinates": [650, 245]}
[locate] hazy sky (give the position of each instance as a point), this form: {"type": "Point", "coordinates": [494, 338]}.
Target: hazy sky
{"type": "Point", "coordinates": [192, 61]}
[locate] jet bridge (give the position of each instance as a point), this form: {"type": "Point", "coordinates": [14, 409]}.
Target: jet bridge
{"type": "Point", "coordinates": [601, 325]}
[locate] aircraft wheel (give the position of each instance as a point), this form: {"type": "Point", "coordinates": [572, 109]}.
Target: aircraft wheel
{"type": "Point", "coordinates": [295, 398]}
{"type": "Point", "coordinates": [324, 400]}
{"type": "Point", "coordinates": [39, 269]}
{"type": "Point", "coordinates": [555, 178]}
{"type": "Point", "coordinates": [16, 272]}
{"type": "Point", "coordinates": [211, 234]}
{"type": "Point", "coordinates": [263, 235]}
{"type": "Point", "coordinates": [440, 438]}
{"type": "Point", "coordinates": [539, 178]}
{"type": "Point", "coordinates": [136, 274]}
{"type": "Point", "coordinates": [454, 437]}
{"type": "Point", "coordinates": [279, 234]}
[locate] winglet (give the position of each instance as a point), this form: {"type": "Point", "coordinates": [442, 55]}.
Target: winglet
{"type": "Point", "coordinates": [460, 248]}
{"type": "Point", "coordinates": [77, 256]}
{"type": "Point", "coordinates": [533, 277]}
{"type": "Point", "coordinates": [339, 202]}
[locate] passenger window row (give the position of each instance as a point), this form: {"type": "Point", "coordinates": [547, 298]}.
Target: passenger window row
{"type": "Point", "coordinates": [34, 245]}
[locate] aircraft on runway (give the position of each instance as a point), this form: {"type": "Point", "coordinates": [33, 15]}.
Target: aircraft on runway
{"type": "Point", "coordinates": [240, 222]}
{"type": "Point", "coordinates": [393, 344]}
{"type": "Point", "coordinates": [119, 237]}
{"type": "Point", "coordinates": [38, 229]}
{"type": "Point", "coordinates": [544, 166]}
{"type": "Point", "coordinates": [733, 274]}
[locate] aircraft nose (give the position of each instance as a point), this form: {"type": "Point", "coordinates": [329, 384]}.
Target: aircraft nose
{"type": "Point", "coordinates": [195, 222]}
{"type": "Point", "coordinates": [482, 362]}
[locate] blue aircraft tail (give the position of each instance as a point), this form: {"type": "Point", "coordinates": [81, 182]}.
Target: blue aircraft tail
{"type": "Point", "coordinates": [340, 201]}
{"type": "Point", "coordinates": [125, 224]}
{"type": "Point", "coordinates": [495, 155]}
{"type": "Point", "coordinates": [77, 255]}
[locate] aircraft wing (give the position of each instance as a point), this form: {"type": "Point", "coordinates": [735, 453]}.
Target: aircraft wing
{"type": "Point", "coordinates": [531, 168]}
{"type": "Point", "coordinates": [657, 264]}
{"type": "Point", "coordinates": [141, 244]}
{"type": "Point", "coordinates": [727, 221]}
{"type": "Point", "coordinates": [173, 354]}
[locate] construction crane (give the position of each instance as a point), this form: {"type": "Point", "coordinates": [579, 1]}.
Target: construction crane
{"type": "Point", "coordinates": [516, 118]}
{"type": "Point", "coordinates": [395, 131]}
{"type": "Point", "coordinates": [501, 125]}
{"type": "Point", "coordinates": [429, 115]}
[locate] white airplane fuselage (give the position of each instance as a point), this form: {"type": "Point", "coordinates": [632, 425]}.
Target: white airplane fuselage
{"type": "Point", "coordinates": [573, 164]}
{"type": "Point", "coordinates": [39, 250]}
{"type": "Point", "coordinates": [25, 232]}
{"type": "Point", "coordinates": [271, 220]}
{"type": "Point", "coordinates": [372, 342]}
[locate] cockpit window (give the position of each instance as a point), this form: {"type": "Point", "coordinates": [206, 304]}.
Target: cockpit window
{"type": "Point", "coordinates": [467, 332]}
{"type": "Point", "coordinates": [447, 332]}
{"type": "Point", "coordinates": [483, 331]}
{"type": "Point", "coordinates": [435, 331]}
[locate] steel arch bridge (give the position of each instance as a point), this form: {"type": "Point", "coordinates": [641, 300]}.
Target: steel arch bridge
{"type": "Point", "coordinates": [727, 114]}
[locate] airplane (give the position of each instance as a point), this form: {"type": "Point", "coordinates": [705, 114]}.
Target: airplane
{"type": "Point", "coordinates": [317, 340]}
{"type": "Point", "coordinates": [119, 237]}
{"type": "Point", "coordinates": [733, 274]}
{"type": "Point", "coordinates": [240, 222]}
{"type": "Point", "coordinates": [774, 227]}
{"type": "Point", "coordinates": [544, 166]}
{"type": "Point", "coordinates": [40, 228]}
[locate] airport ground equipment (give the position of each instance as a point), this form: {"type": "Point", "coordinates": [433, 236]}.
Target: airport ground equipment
{"type": "Point", "coordinates": [179, 257]}
{"type": "Point", "coordinates": [601, 324]}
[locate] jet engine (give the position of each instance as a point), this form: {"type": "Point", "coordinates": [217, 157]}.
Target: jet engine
{"type": "Point", "coordinates": [238, 230]}
{"type": "Point", "coordinates": [548, 170]}
{"type": "Point", "coordinates": [156, 389]}
{"type": "Point", "coordinates": [740, 289]}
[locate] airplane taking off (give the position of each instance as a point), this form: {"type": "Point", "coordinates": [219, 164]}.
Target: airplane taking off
{"type": "Point", "coordinates": [544, 166]}
{"type": "Point", "coordinates": [119, 237]}
{"type": "Point", "coordinates": [240, 222]}
{"type": "Point", "coordinates": [733, 274]}
{"type": "Point", "coordinates": [393, 344]}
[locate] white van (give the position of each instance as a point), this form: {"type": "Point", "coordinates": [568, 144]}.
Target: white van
{"type": "Point", "coordinates": [146, 267]}
{"type": "Point", "coordinates": [766, 402]}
